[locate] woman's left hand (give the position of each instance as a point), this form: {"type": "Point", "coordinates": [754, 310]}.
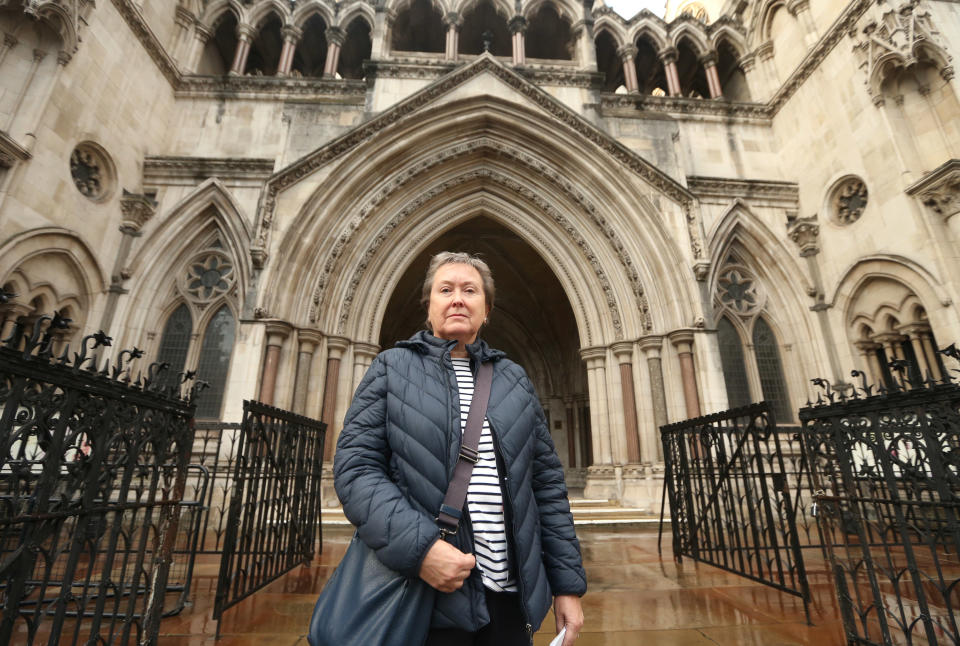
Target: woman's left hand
{"type": "Point", "coordinates": [569, 613]}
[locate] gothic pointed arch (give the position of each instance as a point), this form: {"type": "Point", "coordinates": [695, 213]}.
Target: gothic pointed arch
{"type": "Point", "coordinates": [205, 233]}
{"type": "Point", "coordinates": [418, 26]}
{"type": "Point", "coordinates": [216, 10]}
{"type": "Point", "coordinates": [360, 10]}
{"type": "Point", "coordinates": [651, 31]}
{"type": "Point", "coordinates": [499, 150]}
{"type": "Point", "coordinates": [304, 12]}
{"type": "Point", "coordinates": [691, 33]}
{"type": "Point", "coordinates": [60, 20]}
{"type": "Point", "coordinates": [260, 13]}
{"type": "Point", "coordinates": [615, 28]}
{"type": "Point", "coordinates": [565, 9]}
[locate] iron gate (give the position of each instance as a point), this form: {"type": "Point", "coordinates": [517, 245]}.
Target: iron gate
{"type": "Point", "coordinates": [274, 519]}
{"type": "Point", "coordinates": [730, 501]}
{"type": "Point", "coordinates": [888, 464]}
{"type": "Point", "coordinates": [92, 467]}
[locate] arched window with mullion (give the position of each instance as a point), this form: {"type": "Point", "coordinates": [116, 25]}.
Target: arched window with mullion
{"type": "Point", "coordinates": [174, 344]}
{"type": "Point", "coordinates": [214, 362]}
{"type": "Point", "coordinates": [770, 368]}
{"type": "Point", "coordinates": [732, 361]}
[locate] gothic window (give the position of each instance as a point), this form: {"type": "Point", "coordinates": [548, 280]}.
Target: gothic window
{"type": "Point", "coordinates": [214, 362]}
{"type": "Point", "coordinates": [749, 351]}
{"type": "Point", "coordinates": [175, 344]}
{"type": "Point", "coordinates": [608, 62]}
{"type": "Point", "coordinates": [310, 55]}
{"type": "Point", "coordinates": [548, 35]}
{"type": "Point", "coordinates": [219, 50]}
{"type": "Point", "coordinates": [693, 76]}
{"type": "Point", "coordinates": [733, 81]}
{"type": "Point", "coordinates": [734, 368]}
{"type": "Point", "coordinates": [356, 49]}
{"type": "Point", "coordinates": [482, 19]}
{"type": "Point", "coordinates": [264, 56]}
{"type": "Point", "coordinates": [418, 28]}
{"type": "Point", "coordinates": [772, 383]}
{"type": "Point", "coordinates": [651, 75]}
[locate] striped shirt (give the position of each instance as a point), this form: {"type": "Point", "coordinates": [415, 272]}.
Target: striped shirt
{"type": "Point", "coordinates": [484, 497]}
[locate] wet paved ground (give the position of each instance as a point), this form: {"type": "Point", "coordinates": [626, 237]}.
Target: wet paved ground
{"type": "Point", "coordinates": [636, 598]}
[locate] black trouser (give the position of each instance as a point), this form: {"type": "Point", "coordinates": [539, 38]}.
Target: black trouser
{"type": "Point", "coordinates": [506, 628]}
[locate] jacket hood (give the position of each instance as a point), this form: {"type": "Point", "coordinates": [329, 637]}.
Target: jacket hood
{"type": "Point", "coordinates": [425, 343]}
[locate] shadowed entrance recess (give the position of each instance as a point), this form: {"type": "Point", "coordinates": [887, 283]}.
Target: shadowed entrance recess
{"type": "Point", "coordinates": [532, 322]}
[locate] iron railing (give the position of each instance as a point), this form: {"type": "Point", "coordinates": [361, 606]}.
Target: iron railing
{"type": "Point", "coordinates": [887, 462]}
{"type": "Point", "coordinates": [730, 497]}
{"type": "Point", "coordinates": [274, 518]}
{"type": "Point", "coordinates": [93, 462]}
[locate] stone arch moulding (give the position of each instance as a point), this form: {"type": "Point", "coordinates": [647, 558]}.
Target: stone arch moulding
{"type": "Point", "coordinates": [694, 35]}
{"type": "Point", "coordinates": [357, 10]}
{"type": "Point", "coordinates": [905, 271]}
{"type": "Point", "coordinates": [396, 6]}
{"type": "Point", "coordinates": [652, 32]}
{"type": "Point", "coordinates": [502, 7]}
{"type": "Point", "coordinates": [261, 13]}
{"type": "Point", "coordinates": [61, 21]}
{"type": "Point", "coordinates": [215, 10]}
{"type": "Point", "coordinates": [188, 220]}
{"type": "Point", "coordinates": [393, 247]}
{"type": "Point", "coordinates": [472, 159]}
{"type": "Point", "coordinates": [304, 12]}
{"type": "Point", "coordinates": [606, 23]}
{"type": "Point", "coordinates": [581, 132]}
{"type": "Point", "coordinates": [566, 9]}
{"type": "Point", "coordinates": [21, 247]}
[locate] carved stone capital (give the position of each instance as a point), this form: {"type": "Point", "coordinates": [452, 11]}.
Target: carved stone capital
{"type": "Point", "coordinates": [202, 32]}
{"type": "Point", "coordinates": [365, 350]}
{"type": "Point", "coordinates": [259, 257]}
{"type": "Point", "coordinates": [748, 62]}
{"type": "Point", "coordinates": [336, 346]}
{"type": "Point", "coordinates": [668, 55]}
{"type": "Point", "coordinates": [651, 345]}
{"type": "Point", "coordinates": [765, 50]}
{"type": "Point", "coordinates": [453, 19]}
{"type": "Point", "coordinates": [796, 7]}
{"type": "Point", "coordinates": [293, 33]}
{"type": "Point", "coordinates": [136, 209]}
{"type": "Point", "coordinates": [804, 232]}
{"type": "Point", "coordinates": [594, 355]}
{"type": "Point", "coordinates": [939, 190]}
{"type": "Point", "coordinates": [626, 52]}
{"type": "Point", "coordinates": [336, 35]}
{"type": "Point", "coordinates": [246, 32]}
{"type": "Point", "coordinates": [708, 58]}
{"type": "Point", "coordinates": [184, 17]}
{"type": "Point", "coordinates": [517, 23]}
{"type": "Point", "coordinates": [277, 331]}
{"type": "Point", "coordinates": [682, 340]}
{"type": "Point", "coordinates": [623, 351]}
{"type": "Point", "coordinates": [701, 269]}
{"type": "Point", "coordinates": [309, 339]}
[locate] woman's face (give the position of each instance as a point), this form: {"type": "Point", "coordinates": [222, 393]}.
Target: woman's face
{"type": "Point", "coordinates": [458, 305]}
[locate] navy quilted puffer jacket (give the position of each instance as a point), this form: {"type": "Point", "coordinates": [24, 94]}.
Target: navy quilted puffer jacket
{"type": "Point", "coordinates": [396, 455]}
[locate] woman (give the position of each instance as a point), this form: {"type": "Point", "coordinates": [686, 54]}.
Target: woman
{"type": "Point", "coordinates": [516, 547]}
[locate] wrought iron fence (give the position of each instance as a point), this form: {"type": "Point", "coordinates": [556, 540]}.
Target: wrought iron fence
{"type": "Point", "coordinates": [274, 515]}
{"type": "Point", "coordinates": [887, 462]}
{"type": "Point", "coordinates": [730, 497]}
{"type": "Point", "coordinates": [93, 461]}
{"type": "Point", "coordinates": [214, 455]}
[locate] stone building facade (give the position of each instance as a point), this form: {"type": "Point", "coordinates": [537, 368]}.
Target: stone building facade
{"type": "Point", "coordinates": [681, 216]}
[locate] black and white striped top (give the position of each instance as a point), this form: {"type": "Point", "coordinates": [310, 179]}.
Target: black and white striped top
{"type": "Point", "coordinates": [484, 497]}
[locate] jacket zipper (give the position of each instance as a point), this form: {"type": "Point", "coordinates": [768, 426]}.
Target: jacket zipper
{"type": "Point", "coordinates": [508, 522]}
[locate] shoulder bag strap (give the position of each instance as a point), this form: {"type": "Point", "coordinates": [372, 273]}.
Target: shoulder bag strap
{"type": "Point", "coordinates": [452, 508]}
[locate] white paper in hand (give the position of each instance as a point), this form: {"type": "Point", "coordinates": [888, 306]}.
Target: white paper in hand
{"type": "Point", "coordinates": [559, 638]}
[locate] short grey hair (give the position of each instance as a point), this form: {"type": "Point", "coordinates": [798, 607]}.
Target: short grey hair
{"type": "Point", "coordinates": [457, 258]}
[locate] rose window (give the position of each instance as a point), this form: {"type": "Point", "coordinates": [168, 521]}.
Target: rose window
{"type": "Point", "coordinates": [738, 292]}
{"type": "Point", "coordinates": [209, 277]}
{"type": "Point", "coordinates": [850, 199]}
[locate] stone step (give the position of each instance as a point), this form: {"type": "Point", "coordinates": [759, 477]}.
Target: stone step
{"type": "Point", "coordinates": [591, 514]}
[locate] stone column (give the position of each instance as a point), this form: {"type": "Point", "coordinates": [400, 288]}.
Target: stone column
{"type": "Point", "coordinates": [277, 332]}
{"type": "Point", "coordinates": [669, 59]}
{"type": "Point", "coordinates": [201, 35]}
{"type": "Point", "coordinates": [518, 28]}
{"type": "Point", "coordinates": [245, 35]}
{"type": "Point", "coordinates": [709, 61]}
{"type": "Point", "coordinates": [9, 42]}
{"type": "Point", "coordinates": [453, 21]}
{"type": "Point", "coordinates": [363, 355]}
{"type": "Point", "coordinates": [336, 346]}
{"type": "Point", "coordinates": [623, 351]}
{"type": "Point", "coordinates": [38, 56]}
{"type": "Point", "coordinates": [868, 355]}
{"type": "Point", "coordinates": [11, 312]}
{"type": "Point", "coordinates": [765, 54]}
{"type": "Point", "coordinates": [335, 38]}
{"type": "Point", "coordinates": [628, 54]}
{"type": "Point", "coordinates": [382, 20]}
{"type": "Point", "coordinates": [915, 332]}
{"type": "Point", "coordinates": [801, 10]}
{"type": "Point", "coordinates": [930, 353]}
{"type": "Point", "coordinates": [307, 341]}
{"type": "Point", "coordinates": [137, 210]}
{"type": "Point", "coordinates": [291, 36]}
{"type": "Point", "coordinates": [184, 19]}
{"type": "Point", "coordinates": [582, 32]}
{"type": "Point", "coordinates": [682, 340]}
{"type": "Point", "coordinates": [569, 419]}
{"type": "Point", "coordinates": [650, 448]}
{"type": "Point", "coordinates": [602, 476]}
{"type": "Point", "coordinates": [748, 63]}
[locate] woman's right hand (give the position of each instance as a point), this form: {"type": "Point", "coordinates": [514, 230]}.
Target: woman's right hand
{"type": "Point", "coordinates": [445, 567]}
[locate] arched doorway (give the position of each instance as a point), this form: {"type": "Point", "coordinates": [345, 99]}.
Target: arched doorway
{"type": "Point", "coordinates": [532, 322]}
